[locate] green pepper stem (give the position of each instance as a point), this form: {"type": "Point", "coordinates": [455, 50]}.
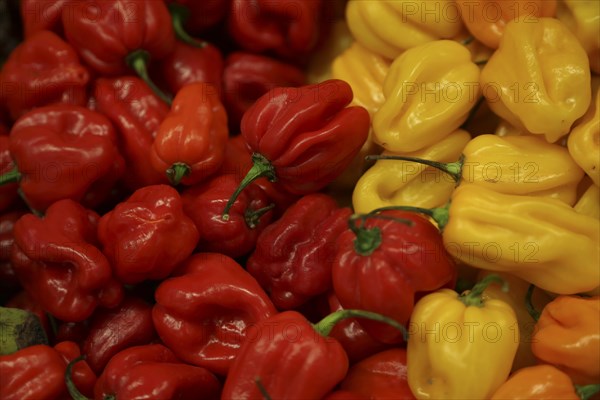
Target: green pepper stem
{"type": "Point", "coordinates": [252, 216]}
{"type": "Point", "coordinates": [324, 326]}
{"type": "Point", "coordinates": [369, 239]}
{"type": "Point", "coordinates": [439, 214]}
{"type": "Point", "coordinates": [262, 389]}
{"type": "Point", "coordinates": [454, 169]}
{"type": "Point", "coordinates": [179, 15]}
{"type": "Point", "coordinates": [587, 391]}
{"type": "Point", "coordinates": [467, 41]}
{"type": "Point", "coordinates": [73, 391]}
{"type": "Point", "coordinates": [176, 173]}
{"type": "Point", "coordinates": [138, 61]}
{"type": "Point", "coordinates": [10, 177]}
{"type": "Point", "coordinates": [261, 167]}
{"type": "Point", "coordinates": [473, 296]}
{"type": "Point", "coordinates": [535, 314]}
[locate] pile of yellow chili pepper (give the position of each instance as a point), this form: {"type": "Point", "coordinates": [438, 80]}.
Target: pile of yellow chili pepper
{"type": "Point", "coordinates": [501, 101]}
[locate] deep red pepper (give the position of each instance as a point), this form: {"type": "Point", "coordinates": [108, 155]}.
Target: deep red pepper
{"type": "Point", "coordinates": [289, 28]}
{"type": "Point", "coordinates": [154, 372]}
{"type": "Point", "coordinates": [249, 215]}
{"type": "Point", "coordinates": [305, 137]}
{"type": "Point", "coordinates": [379, 259]}
{"type": "Point", "coordinates": [63, 151]}
{"type": "Point", "coordinates": [58, 264]}
{"type": "Point", "coordinates": [8, 279]}
{"type": "Point", "coordinates": [111, 35]}
{"type": "Point", "coordinates": [42, 70]}
{"type": "Point", "coordinates": [81, 374]}
{"type": "Point", "coordinates": [190, 143]}
{"type": "Point", "coordinates": [147, 235]}
{"type": "Point", "coordinates": [203, 313]}
{"type": "Point", "coordinates": [201, 16]}
{"type": "Point", "coordinates": [40, 15]}
{"type": "Point", "coordinates": [136, 112]}
{"type": "Point", "coordinates": [113, 330]}
{"type": "Point", "coordinates": [293, 256]}
{"type": "Point", "coordinates": [8, 192]}
{"type": "Point", "coordinates": [248, 76]}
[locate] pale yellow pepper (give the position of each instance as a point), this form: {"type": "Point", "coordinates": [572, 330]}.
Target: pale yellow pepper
{"type": "Point", "coordinates": [583, 19]}
{"type": "Point", "coordinates": [429, 92]}
{"type": "Point", "coordinates": [589, 202]}
{"type": "Point", "coordinates": [539, 78]}
{"type": "Point", "coordinates": [388, 27]}
{"type": "Point", "coordinates": [393, 183]}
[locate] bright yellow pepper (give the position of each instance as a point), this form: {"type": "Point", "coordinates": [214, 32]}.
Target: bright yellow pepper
{"type": "Point", "coordinates": [541, 240]}
{"type": "Point", "coordinates": [460, 346]}
{"type": "Point", "coordinates": [583, 19]}
{"type": "Point", "coordinates": [539, 78]}
{"type": "Point", "coordinates": [429, 91]}
{"type": "Point", "coordinates": [393, 183]}
{"type": "Point", "coordinates": [388, 27]}
{"type": "Point", "coordinates": [589, 202]}
{"type": "Point", "coordinates": [337, 41]}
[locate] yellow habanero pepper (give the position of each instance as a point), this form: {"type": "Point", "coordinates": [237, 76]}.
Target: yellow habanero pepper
{"type": "Point", "coordinates": [584, 140]}
{"type": "Point", "coordinates": [460, 346]}
{"type": "Point", "coordinates": [388, 27]}
{"type": "Point", "coordinates": [589, 202]}
{"type": "Point", "coordinates": [393, 183]}
{"type": "Point", "coordinates": [429, 91]}
{"type": "Point", "coordinates": [539, 78]}
{"type": "Point", "coordinates": [582, 17]}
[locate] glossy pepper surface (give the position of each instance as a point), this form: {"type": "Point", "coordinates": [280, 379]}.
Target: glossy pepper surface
{"type": "Point", "coordinates": [42, 15]}
{"type": "Point", "coordinates": [391, 255]}
{"type": "Point", "coordinates": [57, 261]}
{"type": "Point", "coordinates": [8, 279]}
{"type": "Point", "coordinates": [8, 191]}
{"type": "Point", "coordinates": [452, 352]}
{"type": "Point", "coordinates": [589, 202]}
{"type": "Point", "coordinates": [65, 151]}
{"type": "Point", "coordinates": [42, 70]}
{"type": "Point", "coordinates": [584, 140]}
{"type": "Point", "coordinates": [390, 27]}
{"type": "Point", "coordinates": [147, 235]}
{"type": "Point", "coordinates": [190, 142]}
{"type": "Point", "coordinates": [293, 255]}
{"type": "Point", "coordinates": [204, 312]}
{"type": "Point", "coordinates": [539, 78]}
{"type": "Point", "coordinates": [429, 92]}
{"type": "Point", "coordinates": [583, 19]}
{"type": "Point", "coordinates": [153, 371]}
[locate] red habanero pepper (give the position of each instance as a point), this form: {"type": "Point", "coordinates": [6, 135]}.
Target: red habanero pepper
{"type": "Point", "coordinates": [199, 16]}
{"type": "Point", "coordinates": [154, 372]}
{"type": "Point", "coordinates": [114, 34]}
{"type": "Point", "coordinates": [250, 214]}
{"type": "Point", "coordinates": [303, 138]}
{"type": "Point", "coordinates": [190, 143]}
{"type": "Point", "coordinates": [136, 112]}
{"type": "Point", "coordinates": [80, 374]}
{"type": "Point", "coordinates": [113, 330]}
{"type": "Point", "coordinates": [42, 70]}
{"type": "Point", "coordinates": [58, 264]}
{"type": "Point", "coordinates": [64, 151]}
{"type": "Point", "coordinates": [248, 76]}
{"type": "Point", "coordinates": [8, 279]}
{"type": "Point", "coordinates": [147, 235]}
{"type": "Point", "coordinates": [8, 192]}
{"type": "Point", "coordinates": [395, 255]}
{"type": "Point", "coordinates": [288, 28]}
{"type": "Point", "coordinates": [41, 15]}
{"type": "Point", "coordinates": [204, 312]}
{"type": "Point", "coordinates": [293, 256]}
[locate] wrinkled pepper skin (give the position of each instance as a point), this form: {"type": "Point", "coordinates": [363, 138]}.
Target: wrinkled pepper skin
{"type": "Point", "coordinates": [387, 259]}
{"type": "Point", "coordinates": [154, 372]}
{"type": "Point", "coordinates": [206, 310]}
{"type": "Point", "coordinates": [289, 28]}
{"type": "Point", "coordinates": [429, 92]}
{"type": "Point", "coordinates": [8, 191]}
{"type": "Point", "coordinates": [486, 20]}
{"type": "Point", "coordinates": [583, 19]}
{"type": "Point", "coordinates": [380, 376]}
{"type": "Point", "coordinates": [293, 256]}
{"type": "Point", "coordinates": [543, 241]}
{"type": "Point", "coordinates": [396, 182]}
{"type": "Point", "coordinates": [58, 263]}
{"type": "Point", "coordinates": [248, 76]}
{"type": "Point", "coordinates": [190, 142]}
{"type": "Point", "coordinates": [147, 235]}
{"type": "Point", "coordinates": [539, 78]}
{"type": "Point", "coordinates": [567, 335]}
{"type": "Point", "coordinates": [113, 330]}
{"type": "Point", "coordinates": [65, 151]}
{"type": "Point", "coordinates": [42, 70]}
{"type": "Point", "coordinates": [307, 367]}
{"type": "Point", "coordinates": [451, 355]}
{"type": "Point", "coordinates": [584, 140]}
{"type": "Point", "coordinates": [42, 15]}
{"type": "Point", "coordinates": [236, 237]}
{"type": "Point", "coordinates": [390, 27]}
{"type": "Point", "coordinates": [136, 112]}
{"type": "Point", "coordinates": [104, 35]}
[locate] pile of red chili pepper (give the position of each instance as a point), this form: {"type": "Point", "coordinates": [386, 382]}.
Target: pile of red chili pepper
{"type": "Point", "coordinates": [300, 199]}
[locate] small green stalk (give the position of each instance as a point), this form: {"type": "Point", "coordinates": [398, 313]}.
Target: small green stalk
{"type": "Point", "coordinates": [176, 173]}
{"type": "Point", "coordinates": [11, 176]}
{"type": "Point", "coordinates": [73, 391]}
{"type": "Point", "coordinates": [473, 298]}
{"type": "Point", "coordinates": [179, 15]}
{"type": "Point", "coordinates": [585, 392]}
{"type": "Point", "coordinates": [439, 214]}
{"type": "Point", "coordinates": [138, 61]}
{"type": "Point", "coordinates": [262, 389]}
{"type": "Point", "coordinates": [535, 314]}
{"type": "Point", "coordinates": [252, 216]}
{"type": "Point", "coordinates": [454, 169]}
{"type": "Point", "coordinates": [324, 326]}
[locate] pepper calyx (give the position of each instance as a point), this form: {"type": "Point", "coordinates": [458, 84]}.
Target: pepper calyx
{"type": "Point", "coordinates": [472, 298]}
{"type": "Point", "coordinates": [176, 172]}
{"type": "Point", "coordinates": [252, 217]}
{"type": "Point", "coordinates": [10, 177]}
